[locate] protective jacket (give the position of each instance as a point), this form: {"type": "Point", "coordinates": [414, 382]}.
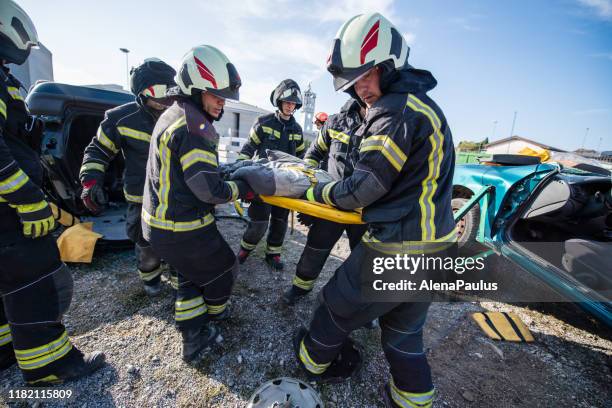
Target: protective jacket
{"type": "Point", "coordinates": [336, 140]}
{"type": "Point", "coordinates": [126, 128]}
{"type": "Point", "coordinates": [272, 132]}
{"type": "Point", "coordinates": [403, 179]}
{"type": "Point", "coordinates": [183, 180]}
{"type": "Point", "coordinates": [36, 287]}
{"type": "Point", "coordinates": [21, 174]}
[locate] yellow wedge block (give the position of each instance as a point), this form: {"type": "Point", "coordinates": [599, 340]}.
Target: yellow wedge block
{"type": "Point", "coordinates": [503, 326]}
{"type": "Point", "coordinates": [77, 243]}
{"type": "Point", "coordinates": [315, 209]}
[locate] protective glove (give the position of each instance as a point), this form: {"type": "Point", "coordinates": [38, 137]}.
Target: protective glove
{"type": "Point", "coordinates": [93, 196]}
{"type": "Point", "coordinates": [309, 194]}
{"type": "Point", "coordinates": [305, 219]}
{"type": "Point", "coordinates": [37, 219]}
{"type": "Point", "coordinates": [245, 192]}
{"type": "Point", "coordinates": [315, 193]}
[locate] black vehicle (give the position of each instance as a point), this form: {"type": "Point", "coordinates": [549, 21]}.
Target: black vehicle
{"type": "Point", "coordinates": [72, 115]}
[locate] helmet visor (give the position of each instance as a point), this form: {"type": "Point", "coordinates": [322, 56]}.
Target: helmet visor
{"type": "Point", "coordinates": [225, 93]}
{"type": "Point", "coordinates": [291, 95]}
{"type": "Point", "coordinates": [344, 79]}
{"type": "Point", "coordinates": [231, 91]}
{"type": "Point", "coordinates": [155, 91]}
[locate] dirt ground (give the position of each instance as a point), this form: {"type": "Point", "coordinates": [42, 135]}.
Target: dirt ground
{"type": "Point", "coordinates": [569, 364]}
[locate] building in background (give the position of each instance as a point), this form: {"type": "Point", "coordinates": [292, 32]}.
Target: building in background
{"type": "Point", "coordinates": [308, 111]}
{"type": "Point", "coordinates": [234, 128]}
{"type": "Point", "coordinates": [38, 66]}
{"type": "Point", "coordinates": [514, 144]}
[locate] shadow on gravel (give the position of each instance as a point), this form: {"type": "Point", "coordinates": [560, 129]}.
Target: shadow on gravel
{"type": "Point", "coordinates": [572, 314]}
{"type": "Point", "coordinates": [89, 391]}
{"type": "Point", "coordinates": [471, 370]}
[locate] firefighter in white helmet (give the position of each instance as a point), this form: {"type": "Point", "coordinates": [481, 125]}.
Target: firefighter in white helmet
{"type": "Point", "coordinates": [182, 187]}
{"type": "Point", "coordinates": [35, 285]}
{"type": "Point", "coordinates": [403, 181]}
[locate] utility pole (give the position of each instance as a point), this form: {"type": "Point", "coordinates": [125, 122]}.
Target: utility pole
{"type": "Point", "coordinates": [494, 127]}
{"type": "Point", "coordinates": [513, 123]}
{"type": "Point", "coordinates": [511, 131]}
{"type": "Point", "coordinates": [599, 144]}
{"type": "Point", "coordinates": [586, 132]}
{"type": "Point", "coordinates": [127, 70]}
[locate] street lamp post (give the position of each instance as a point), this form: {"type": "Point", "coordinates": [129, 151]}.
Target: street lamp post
{"type": "Point", "coordinates": [586, 132]}
{"type": "Point", "coordinates": [511, 131]}
{"type": "Point", "coordinates": [127, 71]}
{"type": "Point", "coordinates": [513, 123]}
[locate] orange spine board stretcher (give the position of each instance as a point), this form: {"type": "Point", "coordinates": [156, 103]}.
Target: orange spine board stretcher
{"type": "Point", "coordinates": [315, 209]}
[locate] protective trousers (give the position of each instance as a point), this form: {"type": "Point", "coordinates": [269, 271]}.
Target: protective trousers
{"type": "Point", "coordinates": [260, 214]}
{"type": "Point", "coordinates": [36, 289]}
{"type": "Point", "coordinates": [342, 310]}
{"type": "Point", "coordinates": [148, 263]}
{"type": "Point", "coordinates": [206, 267]}
{"type": "Point", "coordinates": [322, 237]}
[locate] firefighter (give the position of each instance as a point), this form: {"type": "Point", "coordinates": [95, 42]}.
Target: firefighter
{"type": "Point", "coordinates": [275, 131]}
{"type": "Point", "coordinates": [403, 182]}
{"type": "Point", "coordinates": [320, 119]}
{"type": "Point", "coordinates": [36, 286]}
{"type": "Point", "coordinates": [127, 129]}
{"type": "Point", "coordinates": [182, 187]}
{"type": "Point", "coordinates": [337, 144]}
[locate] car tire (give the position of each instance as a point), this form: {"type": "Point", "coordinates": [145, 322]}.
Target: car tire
{"type": "Point", "coordinates": [467, 227]}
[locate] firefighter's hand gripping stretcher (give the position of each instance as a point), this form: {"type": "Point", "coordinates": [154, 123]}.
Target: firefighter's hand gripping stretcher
{"type": "Point", "coordinates": [282, 179]}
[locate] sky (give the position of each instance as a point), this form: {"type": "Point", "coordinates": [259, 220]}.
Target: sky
{"type": "Point", "coordinates": [549, 61]}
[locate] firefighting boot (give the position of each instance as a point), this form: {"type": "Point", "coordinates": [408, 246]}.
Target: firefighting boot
{"type": "Point", "coordinates": [243, 254]}
{"type": "Point", "coordinates": [197, 341]}
{"type": "Point", "coordinates": [408, 399]}
{"type": "Point", "coordinates": [274, 262]}
{"type": "Point", "coordinates": [7, 359]}
{"type": "Point", "coordinates": [224, 315]}
{"type": "Point", "coordinates": [293, 294]}
{"type": "Point", "coordinates": [347, 363]}
{"type": "Point", "coordinates": [153, 289]}
{"type": "Point", "coordinates": [79, 367]}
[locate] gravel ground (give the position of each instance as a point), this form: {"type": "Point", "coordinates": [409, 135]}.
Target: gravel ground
{"type": "Point", "coordinates": [569, 365]}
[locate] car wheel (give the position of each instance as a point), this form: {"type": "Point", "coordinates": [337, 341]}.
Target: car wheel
{"type": "Point", "coordinates": [467, 227]}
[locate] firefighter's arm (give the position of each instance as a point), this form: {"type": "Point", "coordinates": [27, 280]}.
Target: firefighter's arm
{"type": "Point", "coordinates": [201, 173]}
{"type": "Point", "coordinates": [101, 151]}
{"type": "Point", "coordinates": [319, 148]}
{"type": "Point", "coordinates": [18, 190]}
{"type": "Point", "coordinates": [300, 144]}
{"type": "Point", "coordinates": [251, 146]}
{"type": "Point", "coordinates": [381, 159]}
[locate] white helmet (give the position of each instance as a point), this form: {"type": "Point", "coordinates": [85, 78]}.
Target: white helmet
{"type": "Point", "coordinates": [205, 68]}
{"type": "Point", "coordinates": [363, 42]}
{"type": "Point", "coordinates": [285, 392]}
{"type": "Point", "coordinates": [17, 33]}
{"type": "Point", "coordinates": [152, 78]}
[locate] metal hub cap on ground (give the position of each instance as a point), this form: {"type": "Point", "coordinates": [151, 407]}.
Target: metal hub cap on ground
{"type": "Point", "coordinates": [285, 392]}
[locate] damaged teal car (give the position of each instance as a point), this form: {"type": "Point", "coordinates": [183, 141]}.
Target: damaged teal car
{"type": "Point", "coordinates": [553, 222]}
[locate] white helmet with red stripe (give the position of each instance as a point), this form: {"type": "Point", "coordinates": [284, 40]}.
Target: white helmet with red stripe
{"type": "Point", "coordinates": [363, 42]}
{"type": "Point", "coordinates": [17, 33]}
{"type": "Point", "coordinates": [205, 68]}
{"type": "Point", "coordinates": [152, 78]}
